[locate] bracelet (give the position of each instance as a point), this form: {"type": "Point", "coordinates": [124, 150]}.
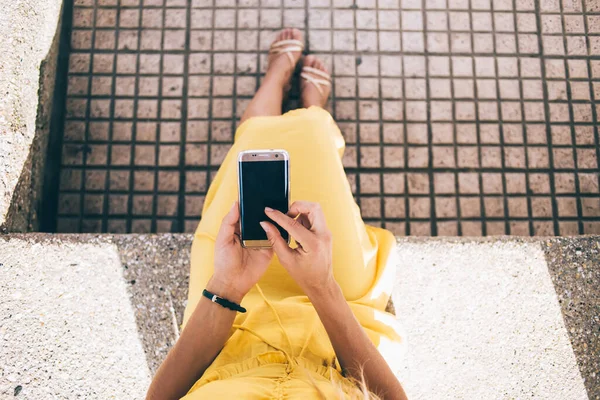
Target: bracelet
{"type": "Point", "coordinates": [223, 302]}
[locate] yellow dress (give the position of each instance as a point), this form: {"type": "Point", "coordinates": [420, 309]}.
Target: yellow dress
{"type": "Point", "coordinates": [279, 348]}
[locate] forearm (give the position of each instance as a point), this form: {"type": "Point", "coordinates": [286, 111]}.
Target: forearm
{"type": "Point", "coordinates": [200, 342]}
{"type": "Point", "coordinates": [356, 353]}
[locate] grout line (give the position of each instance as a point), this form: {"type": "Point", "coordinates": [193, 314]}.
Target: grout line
{"type": "Point", "coordinates": [134, 123]}
{"type": "Point", "coordinates": [594, 102]}
{"type": "Point", "coordinates": [88, 107]}
{"type": "Point", "coordinates": [307, 28]}
{"type": "Point", "coordinates": [257, 52]}
{"type": "Point", "coordinates": [508, 145]}
{"type": "Point", "coordinates": [500, 122]}
{"type": "Point", "coordinates": [158, 130]}
{"type": "Point", "coordinates": [110, 142]}
{"type": "Point", "coordinates": [183, 127]}
{"type": "Point", "coordinates": [210, 98]}
{"type": "Point", "coordinates": [333, 94]}
{"type": "Point", "coordinates": [547, 122]}
{"type": "Point", "coordinates": [354, 169]}
{"type": "Point", "coordinates": [390, 219]}
{"type": "Point", "coordinates": [346, 52]}
{"type": "Point", "coordinates": [480, 169]}
{"type": "Point", "coordinates": [125, 97]}
{"type": "Point", "coordinates": [523, 125]}
{"type": "Point", "coordinates": [342, 8]}
{"type": "Point", "coordinates": [382, 190]}
{"type": "Point", "coordinates": [454, 123]}
{"type": "Point", "coordinates": [572, 123]}
{"type": "Point", "coordinates": [235, 75]}
{"type": "Point", "coordinates": [405, 169]}
{"type": "Point", "coordinates": [430, 174]}
{"type": "Point", "coordinates": [356, 101]}
{"type": "Point", "coordinates": [367, 195]}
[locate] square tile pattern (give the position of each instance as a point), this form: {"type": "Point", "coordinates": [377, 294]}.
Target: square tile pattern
{"type": "Point", "coordinates": [461, 117]}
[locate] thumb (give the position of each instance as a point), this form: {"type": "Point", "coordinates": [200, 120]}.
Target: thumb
{"type": "Point", "coordinates": [280, 247]}
{"type": "Point", "coordinates": [229, 224]}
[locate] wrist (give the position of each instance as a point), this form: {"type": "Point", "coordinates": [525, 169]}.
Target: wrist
{"type": "Point", "coordinates": [223, 288]}
{"type": "Point", "coordinates": [326, 291]}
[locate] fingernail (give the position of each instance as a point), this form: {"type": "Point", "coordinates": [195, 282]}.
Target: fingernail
{"type": "Point", "coordinates": [268, 209]}
{"type": "Point", "coordinates": [264, 226]}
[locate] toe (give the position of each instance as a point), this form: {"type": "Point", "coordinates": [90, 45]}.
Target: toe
{"type": "Point", "coordinates": [309, 60]}
{"type": "Point", "coordinates": [296, 34]}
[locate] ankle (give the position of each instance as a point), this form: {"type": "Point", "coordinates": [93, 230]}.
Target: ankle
{"type": "Point", "coordinates": [274, 82]}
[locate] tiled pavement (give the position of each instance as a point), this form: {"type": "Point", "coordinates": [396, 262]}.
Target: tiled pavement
{"type": "Point", "coordinates": [461, 117]}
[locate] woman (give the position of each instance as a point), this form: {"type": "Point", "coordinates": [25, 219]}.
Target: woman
{"type": "Point", "coordinates": [315, 310]}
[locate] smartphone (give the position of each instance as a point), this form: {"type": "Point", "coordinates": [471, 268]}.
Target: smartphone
{"type": "Point", "coordinates": [263, 181]}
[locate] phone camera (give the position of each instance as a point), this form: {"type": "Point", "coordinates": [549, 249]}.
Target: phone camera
{"type": "Point", "coordinates": [276, 155]}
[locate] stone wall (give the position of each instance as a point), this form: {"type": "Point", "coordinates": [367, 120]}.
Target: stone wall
{"type": "Point", "coordinates": [29, 41]}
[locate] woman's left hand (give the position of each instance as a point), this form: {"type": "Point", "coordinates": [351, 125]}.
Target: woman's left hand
{"type": "Point", "coordinates": [237, 269]}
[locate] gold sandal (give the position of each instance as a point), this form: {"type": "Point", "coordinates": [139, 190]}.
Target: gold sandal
{"type": "Point", "coordinates": [287, 46]}
{"type": "Point", "coordinates": [322, 79]}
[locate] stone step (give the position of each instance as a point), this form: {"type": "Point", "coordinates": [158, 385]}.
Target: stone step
{"type": "Point", "coordinates": [94, 315]}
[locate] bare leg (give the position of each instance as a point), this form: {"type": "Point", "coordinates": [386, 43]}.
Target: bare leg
{"type": "Point", "coordinates": [269, 98]}
{"type": "Point", "coordinates": [310, 95]}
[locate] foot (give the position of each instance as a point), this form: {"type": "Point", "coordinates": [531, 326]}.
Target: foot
{"type": "Point", "coordinates": [309, 93]}
{"type": "Point", "coordinates": [280, 69]}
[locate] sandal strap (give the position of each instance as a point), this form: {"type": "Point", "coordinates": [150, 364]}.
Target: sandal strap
{"type": "Point", "coordinates": [287, 46]}
{"type": "Point", "coordinates": [317, 82]}
{"type": "Point", "coordinates": [287, 42]}
{"type": "Point", "coordinates": [317, 72]}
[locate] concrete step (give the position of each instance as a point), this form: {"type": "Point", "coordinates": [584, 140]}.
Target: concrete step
{"type": "Point", "coordinates": [503, 318]}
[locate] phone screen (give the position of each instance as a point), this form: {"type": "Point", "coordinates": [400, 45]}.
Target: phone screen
{"type": "Point", "coordinates": [262, 184]}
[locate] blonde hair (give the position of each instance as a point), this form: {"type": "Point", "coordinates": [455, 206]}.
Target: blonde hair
{"type": "Point", "coordinates": [347, 388]}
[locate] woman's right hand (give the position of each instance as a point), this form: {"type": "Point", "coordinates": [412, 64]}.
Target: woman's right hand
{"type": "Point", "coordinates": [310, 264]}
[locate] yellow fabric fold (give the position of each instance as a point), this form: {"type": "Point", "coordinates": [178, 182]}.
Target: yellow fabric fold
{"type": "Point", "coordinates": [279, 348]}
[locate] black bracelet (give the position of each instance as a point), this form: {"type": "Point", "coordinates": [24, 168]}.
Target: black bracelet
{"type": "Point", "coordinates": [223, 302]}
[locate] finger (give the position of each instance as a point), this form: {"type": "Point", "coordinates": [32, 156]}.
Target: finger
{"type": "Point", "coordinates": [229, 225]}
{"type": "Point", "coordinates": [279, 245]}
{"type": "Point", "coordinates": [312, 211]}
{"type": "Point", "coordinates": [294, 228]}
{"type": "Point", "coordinates": [303, 219]}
